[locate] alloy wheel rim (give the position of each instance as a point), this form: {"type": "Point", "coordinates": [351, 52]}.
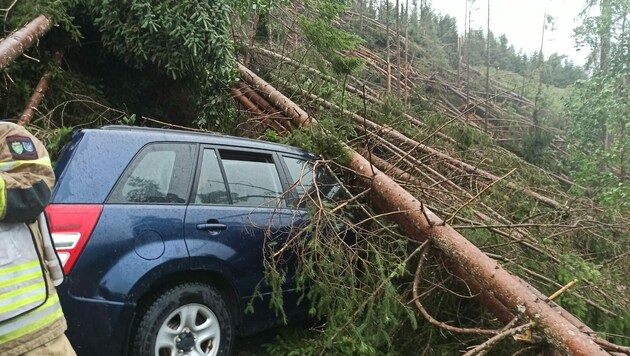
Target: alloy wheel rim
{"type": "Point", "coordinates": [190, 330]}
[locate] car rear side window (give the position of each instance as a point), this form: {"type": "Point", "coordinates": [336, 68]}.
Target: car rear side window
{"type": "Point", "coordinates": [160, 173]}
{"type": "Point", "coordinates": [252, 179]}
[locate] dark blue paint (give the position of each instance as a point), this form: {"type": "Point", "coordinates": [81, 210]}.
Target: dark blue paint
{"type": "Point", "coordinates": [137, 249]}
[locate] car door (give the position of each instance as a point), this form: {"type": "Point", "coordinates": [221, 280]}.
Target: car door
{"type": "Point", "coordinates": [237, 213]}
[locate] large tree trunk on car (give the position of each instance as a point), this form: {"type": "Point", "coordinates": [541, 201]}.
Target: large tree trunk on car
{"type": "Point", "coordinates": [18, 42]}
{"type": "Point", "coordinates": [421, 224]}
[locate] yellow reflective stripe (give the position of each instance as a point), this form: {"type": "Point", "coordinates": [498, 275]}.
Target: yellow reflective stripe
{"type": "Point", "coordinates": [38, 323]}
{"type": "Point", "coordinates": [24, 302]}
{"type": "Point", "coordinates": [21, 290]}
{"type": "Point", "coordinates": [8, 166]}
{"type": "Point", "coordinates": [21, 279]}
{"type": "Point", "coordinates": [19, 267]}
{"type": "Point", "coordinates": [3, 198]}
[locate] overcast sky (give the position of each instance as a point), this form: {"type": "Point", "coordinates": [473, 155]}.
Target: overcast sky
{"type": "Point", "coordinates": [521, 21]}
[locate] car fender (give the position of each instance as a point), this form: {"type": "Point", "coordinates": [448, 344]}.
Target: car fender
{"type": "Point", "coordinates": [209, 270]}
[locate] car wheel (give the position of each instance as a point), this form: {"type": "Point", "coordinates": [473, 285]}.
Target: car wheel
{"type": "Point", "coordinates": [190, 319]}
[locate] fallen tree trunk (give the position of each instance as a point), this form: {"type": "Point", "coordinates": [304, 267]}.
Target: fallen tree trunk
{"type": "Point", "coordinates": [19, 41]}
{"type": "Point", "coordinates": [273, 113]}
{"type": "Point", "coordinates": [253, 108]}
{"type": "Point", "coordinates": [328, 78]}
{"type": "Point", "coordinates": [38, 95]}
{"type": "Point", "coordinates": [299, 116]}
{"type": "Point", "coordinates": [36, 99]}
{"type": "Point", "coordinates": [365, 96]}
{"type": "Point", "coordinates": [422, 224]}
{"type": "Point", "coordinates": [389, 131]}
{"type": "Point", "coordinates": [519, 236]}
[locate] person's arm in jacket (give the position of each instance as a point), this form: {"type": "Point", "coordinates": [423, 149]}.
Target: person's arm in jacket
{"type": "Point", "coordinates": [26, 175]}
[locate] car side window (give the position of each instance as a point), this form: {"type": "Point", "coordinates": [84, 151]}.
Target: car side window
{"type": "Point", "coordinates": [211, 187]}
{"type": "Point", "coordinates": [252, 178]}
{"type": "Point", "coordinates": [160, 173]}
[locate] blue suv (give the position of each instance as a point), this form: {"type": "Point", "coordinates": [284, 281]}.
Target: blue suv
{"type": "Point", "coordinates": [163, 234]}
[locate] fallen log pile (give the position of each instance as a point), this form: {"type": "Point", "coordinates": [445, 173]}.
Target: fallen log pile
{"type": "Point", "coordinates": [458, 99]}
{"type": "Point", "coordinates": [504, 291]}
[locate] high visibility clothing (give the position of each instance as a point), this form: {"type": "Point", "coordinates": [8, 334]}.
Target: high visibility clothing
{"type": "Point", "coordinates": [22, 282]}
{"type": "Point", "coordinates": [30, 313]}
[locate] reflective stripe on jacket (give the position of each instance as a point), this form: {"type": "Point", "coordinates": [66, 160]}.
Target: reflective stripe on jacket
{"type": "Point", "coordinates": [30, 313]}
{"type": "Point", "coordinates": [22, 282]}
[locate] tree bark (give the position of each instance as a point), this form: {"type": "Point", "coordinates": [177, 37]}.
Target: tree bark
{"type": "Point", "coordinates": [605, 27]}
{"type": "Point", "coordinates": [421, 224]}
{"type": "Point", "coordinates": [21, 40]}
{"type": "Point", "coordinates": [36, 99]}
{"type": "Point", "coordinates": [605, 8]}
{"type": "Point", "coordinates": [361, 15]}
{"type": "Point", "coordinates": [253, 108]}
{"type": "Point", "coordinates": [299, 116]}
{"type": "Point", "coordinates": [541, 62]}
{"type": "Point", "coordinates": [269, 110]}
{"type": "Point", "coordinates": [38, 95]}
{"type": "Point", "coordinates": [460, 56]}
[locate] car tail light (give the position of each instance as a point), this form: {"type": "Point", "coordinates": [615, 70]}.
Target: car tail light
{"type": "Point", "coordinates": [71, 227]}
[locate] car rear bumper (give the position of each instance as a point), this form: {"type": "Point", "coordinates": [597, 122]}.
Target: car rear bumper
{"type": "Point", "coordinates": [97, 327]}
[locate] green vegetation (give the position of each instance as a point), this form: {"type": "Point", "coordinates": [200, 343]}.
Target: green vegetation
{"type": "Point", "coordinates": [137, 61]}
{"type": "Point", "coordinates": [600, 107]}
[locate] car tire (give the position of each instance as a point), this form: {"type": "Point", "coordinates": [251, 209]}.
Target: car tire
{"type": "Point", "coordinates": [188, 319]}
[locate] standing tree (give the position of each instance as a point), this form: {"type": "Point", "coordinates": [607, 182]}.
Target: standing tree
{"type": "Point", "coordinates": [537, 141]}
{"type": "Point", "coordinates": [469, 5]}
{"type": "Point", "coordinates": [398, 52]}
{"type": "Point", "coordinates": [389, 63]}
{"type": "Point", "coordinates": [600, 155]}
{"type": "Point", "coordinates": [485, 123]}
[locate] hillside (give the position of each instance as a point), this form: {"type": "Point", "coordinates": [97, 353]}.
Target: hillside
{"type": "Point", "coordinates": [490, 156]}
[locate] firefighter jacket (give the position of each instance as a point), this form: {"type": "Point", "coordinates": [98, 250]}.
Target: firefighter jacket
{"type": "Point", "coordinates": [30, 313]}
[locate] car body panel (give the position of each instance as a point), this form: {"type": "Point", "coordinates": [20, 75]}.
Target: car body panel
{"type": "Point", "coordinates": [110, 266]}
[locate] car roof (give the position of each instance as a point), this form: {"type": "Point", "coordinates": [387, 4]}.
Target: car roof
{"type": "Point", "coordinates": [158, 134]}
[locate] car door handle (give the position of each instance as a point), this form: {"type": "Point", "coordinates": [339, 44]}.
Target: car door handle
{"type": "Point", "coordinates": [211, 227]}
